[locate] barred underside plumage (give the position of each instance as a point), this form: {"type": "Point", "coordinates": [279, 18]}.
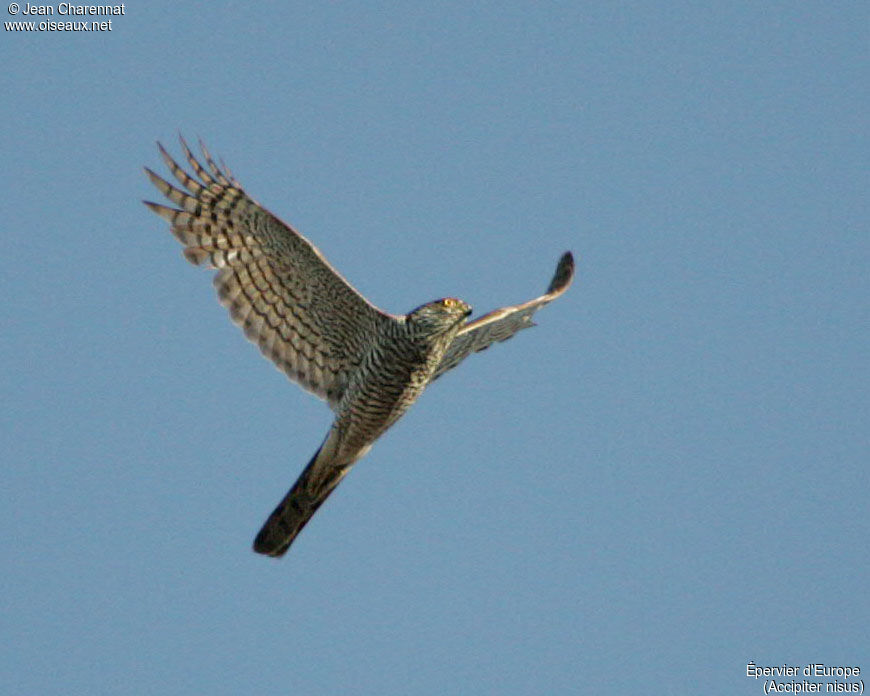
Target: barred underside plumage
{"type": "Point", "coordinates": [369, 365]}
{"type": "Point", "coordinates": [301, 313]}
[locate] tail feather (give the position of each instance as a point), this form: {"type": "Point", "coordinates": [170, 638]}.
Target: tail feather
{"type": "Point", "coordinates": [308, 493]}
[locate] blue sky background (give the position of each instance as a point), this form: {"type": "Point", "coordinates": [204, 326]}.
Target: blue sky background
{"type": "Point", "coordinates": [665, 480]}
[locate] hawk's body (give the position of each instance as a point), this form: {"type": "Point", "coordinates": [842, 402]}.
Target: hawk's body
{"type": "Point", "coordinates": [370, 366]}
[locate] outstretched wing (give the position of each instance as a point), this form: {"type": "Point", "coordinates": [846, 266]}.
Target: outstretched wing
{"type": "Point", "coordinates": [277, 286]}
{"type": "Point", "coordinates": [503, 323]}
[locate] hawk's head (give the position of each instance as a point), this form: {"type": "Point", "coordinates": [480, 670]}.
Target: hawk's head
{"type": "Point", "coordinates": [439, 316]}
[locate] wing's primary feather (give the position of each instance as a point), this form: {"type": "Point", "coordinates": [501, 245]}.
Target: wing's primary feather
{"type": "Point", "coordinates": [503, 323]}
{"type": "Point", "coordinates": [278, 287]}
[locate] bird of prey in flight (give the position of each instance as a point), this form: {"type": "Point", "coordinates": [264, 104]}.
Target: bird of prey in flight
{"type": "Point", "coordinates": [368, 365]}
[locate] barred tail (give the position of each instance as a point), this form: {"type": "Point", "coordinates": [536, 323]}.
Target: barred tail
{"type": "Point", "coordinates": [312, 487]}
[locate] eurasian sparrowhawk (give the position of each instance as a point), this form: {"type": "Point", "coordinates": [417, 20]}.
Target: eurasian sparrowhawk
{"type": "Point", "coordinates": [369, 365]}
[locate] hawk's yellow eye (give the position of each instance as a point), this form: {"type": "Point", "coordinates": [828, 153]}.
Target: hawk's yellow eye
{"type": "Point", "coordinates": [449, 303]}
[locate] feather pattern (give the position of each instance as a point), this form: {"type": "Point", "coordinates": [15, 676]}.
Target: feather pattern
{"type": "Point", "coordinates": [276, 285]}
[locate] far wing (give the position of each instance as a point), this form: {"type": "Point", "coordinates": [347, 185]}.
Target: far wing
{"type": "Point", "coordinates": [503, 323]}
